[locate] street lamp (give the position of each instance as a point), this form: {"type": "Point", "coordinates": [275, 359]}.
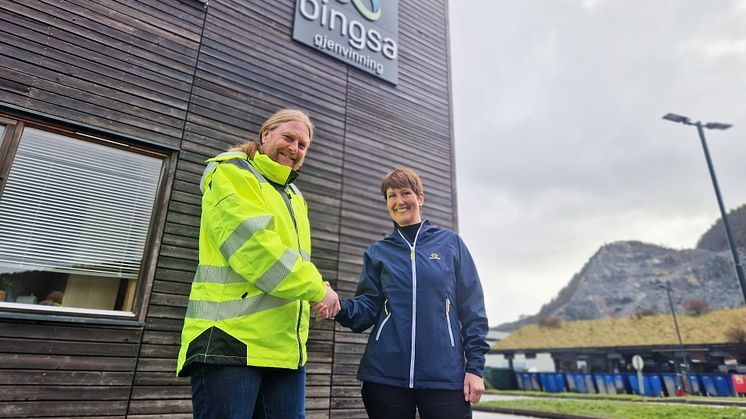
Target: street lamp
{"type": "Point", "coordinates": [700, 128]}
{"type": "Point", "coordinates": [667, 286]}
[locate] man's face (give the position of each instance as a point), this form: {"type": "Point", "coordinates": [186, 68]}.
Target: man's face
{"type": "Point", "coordinates": [287, 143]}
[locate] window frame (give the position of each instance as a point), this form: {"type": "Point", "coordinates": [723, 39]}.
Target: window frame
{"type": "Point", "coordinates": [15, 125]}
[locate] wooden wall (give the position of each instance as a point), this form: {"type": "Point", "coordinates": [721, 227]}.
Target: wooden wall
{"type": "Point", "coordinates": [198, 79]}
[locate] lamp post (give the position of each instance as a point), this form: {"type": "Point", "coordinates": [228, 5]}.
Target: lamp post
{"type": "Point", "coordinates": [700, 129]}
{"type": "Point", "coordinates": [667, 287]}
{"type": "Point", "coordinates": [682, 380]}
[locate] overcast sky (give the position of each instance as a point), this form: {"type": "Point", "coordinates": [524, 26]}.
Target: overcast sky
{"type": "Point", "coordinates": [560, 145]}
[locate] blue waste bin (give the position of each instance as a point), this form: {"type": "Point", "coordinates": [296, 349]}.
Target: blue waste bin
{"type": "Point", "coordinates": [609, 384]}
{"type": "Point", "coordinates": [724, 385]}
{"type": "Point", "coordinates": [648, 387]}
{"type": "Point", "coordinates": [580, 383]}
{"type": "Point", "coordinates": [552, 378]}
{"type": "Point", "coordinates": [598, 379]}
{"type": "Point", "coordinates": [655, 385]}
{"type": "Point", "coordinates": [559, 382]}
{"type": "Point", "coordinates": [708, 384]}
{"type": "Point", "coordinates": [620, 382]}
{"type": "Point", "coordinates": [526, 381]}
{"type": "Point", "coordinates": [544, 381]}
{"type": "Point", "coordinates": [535, 383]}
{"type": "Point", "coordinates": [670, 384]}
{"type": "Point", "coordinates": [570, 380]}
{"type": "Point", "coordinates": [694, 382]}
{"type": "Point", "coordinates": [589, 386]}
{"type": "Point", "coordinates": [634, 384]}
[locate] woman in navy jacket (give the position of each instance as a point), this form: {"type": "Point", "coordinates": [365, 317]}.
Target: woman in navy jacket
{"type": "Point", "coordinates": [420, 290]}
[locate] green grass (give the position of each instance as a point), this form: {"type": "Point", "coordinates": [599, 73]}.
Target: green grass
{"type": "Point", "coordinates": [622, 409]}
{"type": "Point", "coordinates": [607, 396]}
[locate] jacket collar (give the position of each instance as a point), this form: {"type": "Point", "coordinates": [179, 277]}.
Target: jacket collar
{"type": "Point", "coordinates": [425, 230]}
{"type": "Point", "coordinates": [273, 171]}
{"type": "Point", "coordinates": [270, 169]}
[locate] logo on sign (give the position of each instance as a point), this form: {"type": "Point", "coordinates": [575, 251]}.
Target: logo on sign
{"type": "Point", "coordinates": [371, 14]}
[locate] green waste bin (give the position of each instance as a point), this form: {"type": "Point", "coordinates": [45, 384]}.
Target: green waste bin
{"type": "Point", "coordinates": [500, 378]}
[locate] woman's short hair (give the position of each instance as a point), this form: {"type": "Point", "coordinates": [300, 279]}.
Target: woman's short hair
{"type": "Point", "coordinates": [283, 115]}
{"type": "Point", "coordinates": [403, 177]}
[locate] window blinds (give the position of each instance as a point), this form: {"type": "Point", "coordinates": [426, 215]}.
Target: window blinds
{"type": "Point", "coordinates": [74, 206]}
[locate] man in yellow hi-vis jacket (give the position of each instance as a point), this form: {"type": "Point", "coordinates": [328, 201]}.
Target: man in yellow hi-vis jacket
{"type": "Point", "coordinates": [246, 324]}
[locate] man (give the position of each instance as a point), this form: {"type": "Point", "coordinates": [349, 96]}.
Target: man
{"type": "Point", "coordinates": [246, 324]}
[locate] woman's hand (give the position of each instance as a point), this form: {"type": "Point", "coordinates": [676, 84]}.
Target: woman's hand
{"type": "Point", "coordinates": [329, 306]}
{"type": "Point", "coordinates": [473, 387]}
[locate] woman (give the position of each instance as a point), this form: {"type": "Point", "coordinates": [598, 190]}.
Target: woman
{"type": "Point", "coordinates": [420, 289]}
{"type": "Point", "coordinates": [246, 323]}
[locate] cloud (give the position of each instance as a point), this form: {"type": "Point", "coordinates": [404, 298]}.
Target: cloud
{"type": "Point", "coordinates": [560, 145]}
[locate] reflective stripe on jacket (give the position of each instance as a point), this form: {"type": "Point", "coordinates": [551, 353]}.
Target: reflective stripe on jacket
{"type": "Point", "coordinates": [248, 302]}
{"type": "Point", "coordinates": [426, 305]}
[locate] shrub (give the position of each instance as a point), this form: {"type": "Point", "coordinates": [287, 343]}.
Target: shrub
{"type": "Point", "coordinates": [644, 312]}
{"type": "Point", "coordinates": [736, 334]}
{"type": "Point", "coordinates": [696, 306]}
{"type": "Point", "coordinates": [550, 322]}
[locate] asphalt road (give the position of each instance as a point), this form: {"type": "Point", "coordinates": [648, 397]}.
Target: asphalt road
{"type": "Point", "coordinates": [489, 415]}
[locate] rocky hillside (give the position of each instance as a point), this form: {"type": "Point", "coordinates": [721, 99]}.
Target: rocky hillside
{"type": "Point", "coordinates": [626, 278]}
{"type": "Point", "coordinates": [714, 239]}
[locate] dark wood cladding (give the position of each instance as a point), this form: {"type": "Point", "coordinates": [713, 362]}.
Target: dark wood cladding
{"type": "Point", "coordinates": [199, 79]}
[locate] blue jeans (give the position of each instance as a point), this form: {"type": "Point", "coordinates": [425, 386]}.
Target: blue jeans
{"type": "Point", "coordinates": [241, 392]}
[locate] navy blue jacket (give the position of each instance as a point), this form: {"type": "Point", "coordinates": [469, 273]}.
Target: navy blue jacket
{"type": "Point", "coordinates": [427, 305]}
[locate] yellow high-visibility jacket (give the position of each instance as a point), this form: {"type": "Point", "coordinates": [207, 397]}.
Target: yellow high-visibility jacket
{"type": "Point", "coordinates": [249, 299]}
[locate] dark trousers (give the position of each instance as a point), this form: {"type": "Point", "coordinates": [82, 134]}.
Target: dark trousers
{"type": "Point", "coordinates": [389, 402]}
{"type": "Point", "coordinates": [241, 392]}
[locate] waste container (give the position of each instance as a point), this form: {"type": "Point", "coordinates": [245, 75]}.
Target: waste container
{"type": "Point", "coordinates": [708, 384]}
{"type": "Point", "coordinates": [670, 384]}
{"type": "Point", "coordinates": [634, 383]}
{"type": "Point", "coordinates": [635, 386]}
{"type": "Point", "coordinates": [535, 383]}
{"type": "Point", "coordinates": [620, 382]}
{"type": "Point", "coordinates": [655, 385]}
{"type": "Point", "coordinates": [544, 381]}
{"type": "Point", "coordinates": [609, 384]}
{"type": "Point", "coordinates": [570, 379]}
{"type": "Point", "coordinates": [598, 379]}
{"type": "Point", "coordinates": [724, 385]}
{"type": "Point", "coordinates": [694, 382]}
{"type": "Point", "coordinates": [580, 383]}
{"type": "Point", "coordinates": [559, 382]}
{"type": "Point", "coordinates": [589, 386]}
{"type": "Point", "coordinates": [500, 378]}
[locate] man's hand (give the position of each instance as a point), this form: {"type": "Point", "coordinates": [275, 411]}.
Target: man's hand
{"type": "Point", "coordinates": [473, 387]}
{"type": "Point", "coordinates": [329, 306]}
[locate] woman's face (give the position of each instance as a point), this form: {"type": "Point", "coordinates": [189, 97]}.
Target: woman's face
{"type": "Point", "coordinates": [287, 143]}
{"type": "Point", "coordinates": [404, 205]}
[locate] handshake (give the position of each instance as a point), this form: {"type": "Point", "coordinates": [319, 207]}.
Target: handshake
{"type": "Point", "coordinates": [329, 306]}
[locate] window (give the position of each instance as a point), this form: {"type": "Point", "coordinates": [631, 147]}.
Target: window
{"type": "Point", "coordinates": [75, 213]}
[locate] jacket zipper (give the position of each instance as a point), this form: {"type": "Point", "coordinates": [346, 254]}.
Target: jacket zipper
{"type": "Point", "coordinates": [448, 320]}
{"type": "Point", "coordinates": [414, 301]}
{"type": "Point", "coordinates": [383, 323]}
{"type": "Point", "coordinates": [286, 197]}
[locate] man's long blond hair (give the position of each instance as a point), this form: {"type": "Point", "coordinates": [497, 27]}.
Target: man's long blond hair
{"type": "Point", "coordinates": [283, 115]}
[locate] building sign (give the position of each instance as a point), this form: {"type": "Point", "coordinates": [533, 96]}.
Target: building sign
{"type": "Point", "coordinates": [362, 33]}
